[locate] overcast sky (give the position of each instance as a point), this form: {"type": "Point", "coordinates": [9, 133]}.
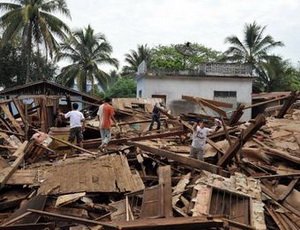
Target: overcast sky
{"type": "Point", "coordinates": [127, 23]}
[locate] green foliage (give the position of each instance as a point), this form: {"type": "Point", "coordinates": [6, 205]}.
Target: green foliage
{"type": "Point", "coordinates": [87, 51]}
{"type": "Point", "coordinates": [35, 22]}
{"type": "Point", "coordinates": [124, 87]}
{"type": "Point", "coordinates": [188, 56]}
{"type": "Point", "coordinates": [293, 78]}
{"type": "Point", "coordinates": [134, 58]}
{"type": "Point", "coordinates": [254, 48]}
{"type": "Point", "coordinates": [12, 66]}
{"type": "Point", "coordinates": [277, 75]}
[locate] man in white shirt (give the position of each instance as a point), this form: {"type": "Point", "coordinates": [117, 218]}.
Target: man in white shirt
{"type": "Point", "coordinates": [76, 128]}
{"type": "Point", "coordinates": [200, 133]}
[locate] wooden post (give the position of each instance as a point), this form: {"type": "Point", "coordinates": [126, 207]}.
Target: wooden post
{"type": "Point", "coordinates": [164, 175]}
{"type": "Point", "coordinates": [287, 104]}
{"type": "Point", "coordinates": [236, 115]}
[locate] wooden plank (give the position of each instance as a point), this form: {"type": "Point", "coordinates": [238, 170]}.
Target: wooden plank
{"type": "Point", "coordinates": [96, 142]}
{"type": "Point", "coordinates": [194, 163]}
{"type": "Point", "coordinates": [283, 203]}
{"type": "Point", "coordinates": [23, 177]}
{"type": "Point", "coordinates": [38, 226]}
{"type": "Point", "coordinates": [164, 175]}
{"type": "Point", "coordinates": [71, 145]}
{"type": "Point", "coordinates": [12, 133]}
{"type": "Point", "coordinates": [281, 154]}
{"type": "Point", "coordinates": [218, 103]}
{"type": "Point", "coordinates": [70, 218]}
{"type": "Point", "coordinates": [178, 223]}
{"type": "Point", "coordinates": [20, 109]}
{"type": "Point", "coordinates": [198, 100]}
{"type": "Point", "coordinates": [274, 217]}
{"type": "Point", "coordinates": [266, 102]}
{"type": "Point", "coordinates": [13, 220]}
{"type": "Point", "coordinates": [6, 173]}
{"type": "Point", "coordinates": [11, 118]}
{"type": "Point", "coordinates": [37, 202]}
{"type": "Point", "coordinates": [289, 189]}
{"type": "Point", "coordinates": [226, 132]}
{"type": "Point", "coordinates": [259, 121]}
{"type": "Point", "coordinates": [152, 206]}
{"type": "Point", "coordinates": [297, 175]}
{"type": "Point", "coordinates": [213, 144]}
{"type": "Point", "coordinates": [68, 198]}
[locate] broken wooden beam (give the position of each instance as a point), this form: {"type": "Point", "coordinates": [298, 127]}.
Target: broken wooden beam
{"type": "Point", "coordinates": [204, 102]}
{"type": "Point", "coordinates": [259, 121]}
{"type": "Point", "coordinates": [11, 118]}
{"type": "Point", "coordinates": [71, 145]}
{"type": "Point", "coordinates": [70, 218]}
{"type": "Point", "coordinates": [287, 104]}
{"type": "Point", "coordinates": [265, 102]}
{"type": "Point", "coordinates": [37, 226]}
{"type": "Point", "coordinates": [12, 133]}
{"type": "Point", "coordinates": [236, 115]}
{"type": "Point", "coordinates": [6, 173]}
{"type": "Point", "coordinates": [178, 223]}
{"type": "Point", "coordinates": [92, 142]}
{"type": "Point", "coordinates": [289, 189]}
{"type": "Point", "coordinates": [191, 162]}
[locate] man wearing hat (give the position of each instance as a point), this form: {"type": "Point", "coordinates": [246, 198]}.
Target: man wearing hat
{"type": "Point", "coordinates": [200, 133]}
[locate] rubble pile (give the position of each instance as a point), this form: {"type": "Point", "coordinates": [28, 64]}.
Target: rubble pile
{"type": "Point", "coordinates": [249, 178]}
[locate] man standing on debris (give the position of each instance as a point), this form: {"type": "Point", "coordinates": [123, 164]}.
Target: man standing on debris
{"type": "Point", "coordinates": [199, 140]}
{"type": "Point", "coordinates": [106, 115]}
{"type": "Point", "coordinates": [76, 128]}
{"type": "Point", "coordinates": [155, 116]}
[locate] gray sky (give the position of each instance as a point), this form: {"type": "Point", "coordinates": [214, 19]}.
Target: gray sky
{"type": "Point", "coordinates": [127, 23]}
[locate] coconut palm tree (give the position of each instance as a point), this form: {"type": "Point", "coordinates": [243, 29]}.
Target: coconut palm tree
{"type": "Point", "coordinates": [135, 58]}
{"type": "Point", "coordinates": [274, 76]}
{"type": "Point", "coordinates": [87, 51]}
{"type": "Point", "coordinates": [35, 22]}
{"type": "Point", "coordinates": [253, 49]}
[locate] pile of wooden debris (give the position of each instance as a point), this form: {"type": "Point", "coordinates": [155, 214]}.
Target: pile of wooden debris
{"type": "Point", "coordinates": [146, 180]}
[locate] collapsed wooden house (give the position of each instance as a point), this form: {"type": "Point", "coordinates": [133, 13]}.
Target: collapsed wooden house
{"type": "Point", "coordinates": [146, 180]}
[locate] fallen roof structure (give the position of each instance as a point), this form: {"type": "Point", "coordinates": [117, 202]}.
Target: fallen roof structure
{"type": "Point", "coordinates": [146, 179]}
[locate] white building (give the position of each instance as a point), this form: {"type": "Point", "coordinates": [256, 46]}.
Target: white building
{"type": "Point", "coordinates": [225, 82]}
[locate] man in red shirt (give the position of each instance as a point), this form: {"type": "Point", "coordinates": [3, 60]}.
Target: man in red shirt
{"type": "Point", "coordinates": [106, 116]}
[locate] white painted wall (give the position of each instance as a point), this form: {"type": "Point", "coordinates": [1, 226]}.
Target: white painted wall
{"type": "Point", "coordinates": [176, 86]}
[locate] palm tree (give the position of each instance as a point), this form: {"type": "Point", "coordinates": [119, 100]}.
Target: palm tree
{"type": "Point", "coordinates": [86, 51]}
{"type": "Point", "coordinates": [35, 22]}
{"type": "Point", "coordinates": [135, 58]}
{"type": "Point", "coordinates": [274, 76]}
{"type": "Point", "coordinates": [255, 47]}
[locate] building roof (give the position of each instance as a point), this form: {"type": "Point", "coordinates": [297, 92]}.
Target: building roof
{"type": "Point", "coordinates": [45, 87]}
{"type": "Point", "coordinates": [269, 95]}
{"type": "Point", "coordinates": [226, 70]}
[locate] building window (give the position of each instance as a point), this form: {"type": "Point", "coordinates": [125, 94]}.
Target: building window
{"type": "Point", "coordinates": [224, 94]}
{"type": "Point", "coordinates": [140, 93]}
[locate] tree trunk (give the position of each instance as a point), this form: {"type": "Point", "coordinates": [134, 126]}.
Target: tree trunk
{"type": "Point", "coordinates": [28, 50]}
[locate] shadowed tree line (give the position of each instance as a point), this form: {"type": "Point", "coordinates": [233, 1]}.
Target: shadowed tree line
{"type": "Point", "coordinates": [33, 39]}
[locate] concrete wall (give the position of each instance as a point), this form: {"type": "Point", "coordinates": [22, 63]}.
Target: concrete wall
{"type": "Point", "coordinates": [176, 86]}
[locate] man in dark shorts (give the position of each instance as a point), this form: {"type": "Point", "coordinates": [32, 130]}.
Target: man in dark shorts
{"type": "Point", "coordinates": [76, 128]}
{"type": "Point", "coordinates": [155, 117]}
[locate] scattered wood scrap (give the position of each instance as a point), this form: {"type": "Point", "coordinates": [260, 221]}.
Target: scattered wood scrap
{"type": "Point", "coordinates": [146, 179]}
